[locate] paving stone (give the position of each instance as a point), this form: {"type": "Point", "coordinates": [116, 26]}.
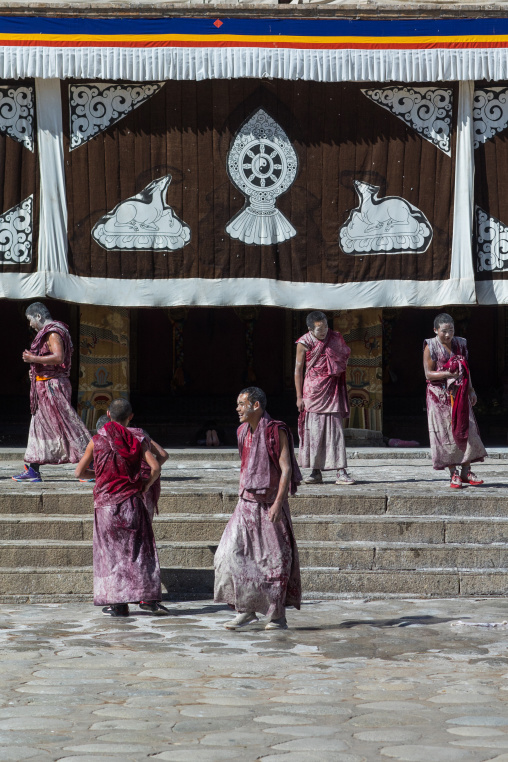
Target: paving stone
{"type": "Point", "coordinates": [34, 723]}
{"type": "Point", "coordinates": [312, 743]}
{"type": "Point", "coordinates": [301, 730]}
{"type": "Point", "coordinates": [202, 710]}
{"type": "Point", "coordinates": [321, 756]}
{"type": "Point", "coordinates": [389, 735]}
{"type": "Point", "coordinates": [483, 743]}
{"type": "Point", "coordinates": [200, 755]}
{"type": "Point", "coordinates": [20, 753]}
{"type": "Point", "coordinates": [476, 732]}
{"type": "Point", "coordinates": [105, 748]}
{"type": "Point", "coordinates": [426, 753]}
{"type": "Point", "coordinates": [486, 721]}
{"type": "Point", "coordinates": [233, 738]}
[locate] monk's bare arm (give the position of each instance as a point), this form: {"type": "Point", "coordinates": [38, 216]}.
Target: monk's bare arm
{"type": "Point", "coordinates": [154, 468]}
{"type": "Point", "coordinates": [159, 452]}
{"type": "Point", "coordinates": [429, 367]}
{"type": "Point", "coordinates": [299, 366]}
{"type": "Point", "coordinates": [82, 471]}
{"type": "Point", "coordinates": [55, 358]}
{"type": "Point", "coordinates": [275, 512]}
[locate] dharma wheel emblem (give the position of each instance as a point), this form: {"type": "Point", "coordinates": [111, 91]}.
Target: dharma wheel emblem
{"type": "Point", "coordinates": [262, 164]}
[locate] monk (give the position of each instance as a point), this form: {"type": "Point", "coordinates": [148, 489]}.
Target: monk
{"type": "Point", "coordinates": [57, 434]}
{"type": "Point", "coordinates": [151, 497]}
{"type": "Point", "coordinates": [125, 562]}
{"type": "Point", "coordinates": [256, 564]}
{"type": "Point", "coordinates": [454, 436]}
{"type": "Point", "coordinates": [322, 400]}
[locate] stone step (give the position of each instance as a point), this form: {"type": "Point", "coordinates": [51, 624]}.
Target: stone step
{"type": "Point", "coordinates": [326, 528]}
{"type": "Point", "coordinates": [366, 556]}
{"type": "Point", "coordinates": [360, 500]}
{"type": "Point", "coordinates": [32, 584]}
{"type": "Point", "coordinates": [354, 450]}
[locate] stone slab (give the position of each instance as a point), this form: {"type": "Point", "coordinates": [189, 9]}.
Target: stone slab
{"type": "Point", "coordinates": [438, 583]}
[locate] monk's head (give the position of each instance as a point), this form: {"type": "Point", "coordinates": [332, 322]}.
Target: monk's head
{"type": "Point", "coordinates": [102, 421]}
{"type": "Point", "coordinates": [250, 405]}
{"type": "Point", "coordinates": [444, 328]}
{"type": "Point", "coordinates": [120, 411]}
{"type": "Point", "coordinates": [37, 315]}
{"type": "Point", "coordinates": [317, 324]}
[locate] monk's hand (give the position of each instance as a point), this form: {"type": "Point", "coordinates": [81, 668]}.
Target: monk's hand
{"type": "Point", "coordinates": [27, 356]}
{"type": "Point", "coordinates": [145, 486]}
{"type": "Point", "coordinates": [275, 513]}
{"type": "Point", "coordinates": [472, 397]}
{"type": "Point", "coordinates": [300, 404]}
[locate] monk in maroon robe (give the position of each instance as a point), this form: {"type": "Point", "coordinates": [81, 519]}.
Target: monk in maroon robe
{"type": "Point", "coordinates": [256, 563]}
{"type": "Point", "coordinates": [454, 436]}
{"type": "Point", "coordinates": [57, 434]}
{"type": "Point", "coordinates": [322, 400]}
{"type": "Point", "coordinates": [125, 561]}
{"type": "Point", "coordinates": [151, 497]}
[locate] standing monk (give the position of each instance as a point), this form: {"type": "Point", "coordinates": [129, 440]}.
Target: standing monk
{"type": "Point", "coordinates": [57, 434]}
{"type": "Point", "coordinates": [256, 563]}
{"type": "Point", "coordinates": [125, 563]}
{"type": "Point", "coordinates": [322, 400]}
{"type": "Point", "coordinates": [453, 431]}
{"type": "Point", "coordinates": [151, 497]}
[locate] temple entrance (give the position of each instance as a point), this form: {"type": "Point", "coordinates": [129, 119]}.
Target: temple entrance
{"type": "Point", "coordinates": [188, 364]}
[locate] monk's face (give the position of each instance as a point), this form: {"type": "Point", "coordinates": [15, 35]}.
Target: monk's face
{"type": "Point", "coordinates": [445, 333]}
{"type": "Point", "coordinates": [320, 329]}
{"type": "Point", "coordinates": [247, 412]}
{"type": "Point", "coordinates": [35, 322]}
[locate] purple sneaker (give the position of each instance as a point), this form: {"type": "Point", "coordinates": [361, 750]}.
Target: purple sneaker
{"type": "Point", "coordinates": [28, 475]}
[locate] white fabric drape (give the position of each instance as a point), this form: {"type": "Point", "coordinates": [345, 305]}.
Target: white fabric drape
{"type": "Point", "coordinates": [264, 291]}
{"type": "Point", "coordinates": [155, 64]}
{"type": "Point", "coordinates": [53, 203]}
{"type": "Point", "coordinates": [461, 268]}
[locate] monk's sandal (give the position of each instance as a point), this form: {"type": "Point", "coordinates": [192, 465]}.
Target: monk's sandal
{"type": "Point", "coordinates": [277, 624]}
{"type": "Point", "coordinates": [314, 478]}
{"type": "Point", "coordinates": [471, 479]}
{"type": "Point", "coordinates": [116, 609]}
{"type": "Point", "coordinates": [154, 607]}
{"type": "Point", "coordinates": [242, 620]}
{"type": "Point", "coordinates": [344, 478]}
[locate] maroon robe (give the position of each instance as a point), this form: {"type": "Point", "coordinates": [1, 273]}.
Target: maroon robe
{"type": "Point", "coordinates": [57, 434]}
{"type": "Point", "coordinates": [447, 449]}
{"type": "Point", "coordinates": [125, 561]}
{"type": "Point", "coordinates": [256, 564]}
{"type": "Point", "coordinates": [320, 429]}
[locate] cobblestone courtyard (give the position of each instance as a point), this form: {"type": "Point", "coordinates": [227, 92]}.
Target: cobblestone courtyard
{"type": "Point", "coordinates": [350, 681]}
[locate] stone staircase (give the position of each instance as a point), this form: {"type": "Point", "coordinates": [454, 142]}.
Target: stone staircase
{"type": "Point", "coordinates": [370, 540]}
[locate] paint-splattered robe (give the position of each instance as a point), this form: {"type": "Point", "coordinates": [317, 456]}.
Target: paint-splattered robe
{"type": "Point", "coordinates": [125, 562]}
{"type": "Point", "coordinates": [150, 498]}
{"type": "Point", "coordinates": [444, 449]}
{"type": "Point", "coordinates": [320, 427]}
{"type": "Point", "coordinates": [256, 563]}
{"type": "Point", "coordinates": [57, 434]}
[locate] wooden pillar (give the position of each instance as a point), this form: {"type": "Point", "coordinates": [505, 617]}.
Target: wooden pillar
{"type": "Point", "coordinates": [103, 359]}
{"type": "Point", "coordinates": [363, 332]}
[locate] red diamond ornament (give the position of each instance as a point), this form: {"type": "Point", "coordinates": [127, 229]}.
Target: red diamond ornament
{"type": "Point", "coordinates": [218, 23]}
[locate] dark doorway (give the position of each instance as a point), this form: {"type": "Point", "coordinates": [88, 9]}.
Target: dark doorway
{"type": "Point", "coordinates": [404, 330]}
